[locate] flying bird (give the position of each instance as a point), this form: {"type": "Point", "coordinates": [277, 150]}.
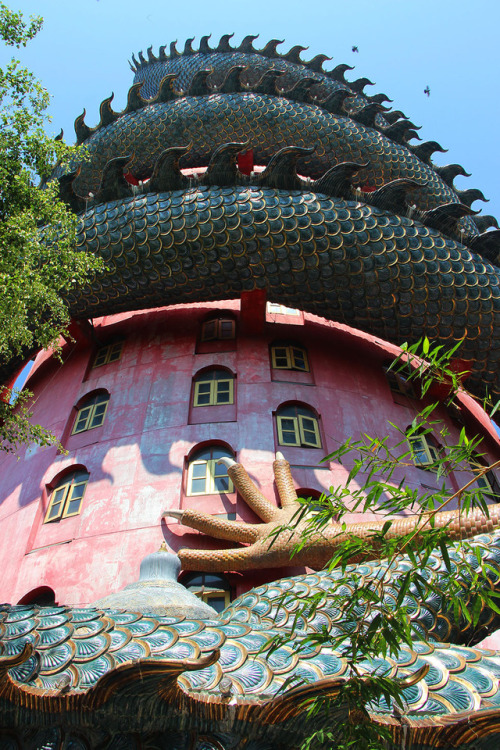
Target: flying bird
{"type": "Point", "coordinates": [355, 49]}
{"type": "Point", "coordinates": [427, 91]}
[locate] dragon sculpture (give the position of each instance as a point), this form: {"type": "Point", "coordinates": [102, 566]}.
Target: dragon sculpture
{"type": "Point", "coordinates": [234, 169]}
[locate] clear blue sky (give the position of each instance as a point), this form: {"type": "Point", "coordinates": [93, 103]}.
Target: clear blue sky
{"type": "Point", "coordinates": [452, 46]}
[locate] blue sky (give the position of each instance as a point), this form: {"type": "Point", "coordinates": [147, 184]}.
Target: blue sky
{"type": "Point", "coordinates": [81, 57]}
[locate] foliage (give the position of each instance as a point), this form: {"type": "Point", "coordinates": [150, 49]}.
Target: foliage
{"type": "Point", "coordinates": [376, 625]}
{"type": "Point", "coordinates": [37, 232]}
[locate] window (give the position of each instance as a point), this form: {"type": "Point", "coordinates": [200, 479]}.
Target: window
{"type": "Point", "coordinates": [206, 476]}
{"type": "Point", "coordinates": [92, 413]}
{"type": "Point", "coordinates": [66, 497]}
{"type": "Point", "coordinates": [108, 353]}
{"type": "Point", "coordinates": [211, 588]}
{"type": "Point", "coordinates": [399, 384]}
{"type": "Point", "coordinates": [289, 357]}
{"type": "Point", "coordinates": [213, 387]}
{"type": "Point", "coordinates": [424, 452]}
{"type": "Point", "coordinates": [218, 329]}
{"type": "Point", "coordinates": [298, 425]}
{"type": "Point", "coordinates": [275, 308]}
{"type": "Point", "coordinates": [487, 483]}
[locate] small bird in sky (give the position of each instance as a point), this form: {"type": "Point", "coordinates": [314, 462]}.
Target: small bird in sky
{"type": "Point", "coordinates": [427, 91]}
{"type": "Point", "coordinates": [355, 49]}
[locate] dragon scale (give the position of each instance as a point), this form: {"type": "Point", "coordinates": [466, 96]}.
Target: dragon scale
{"type": "Point", "coordinates": [371, 234]}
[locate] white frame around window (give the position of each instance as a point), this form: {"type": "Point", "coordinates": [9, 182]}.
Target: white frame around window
{"type": "Point", "coordinates": [274, 308]}
{"type": "Point", "coordinates": [289, 357]}
{"type": "Point", "coordinates": [108, 353]}
{"type": "Point", "coordinates": [302, 427]}
{"type": "Point", "coordinates": [423, 451]}
{"type": "Point", "coordinates": [213, 471]}
{"type": "Point", "coordinates": [64, 495]}
{"type": "Point", "coordinates": [214, 391]}
{"type": "Point", "coordinates": [91, 414]}
{"type": "Point", "coordinates": [218, 329]}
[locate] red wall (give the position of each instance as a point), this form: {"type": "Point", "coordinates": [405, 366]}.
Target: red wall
{"type": "Point", "coordinates": [137, 459]}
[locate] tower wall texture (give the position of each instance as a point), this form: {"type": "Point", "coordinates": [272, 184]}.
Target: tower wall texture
{"type": "Point", "coordinates": [138, 458]}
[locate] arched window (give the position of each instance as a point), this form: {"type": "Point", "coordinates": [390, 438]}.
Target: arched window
{"type": "Point", "coordinates": [43, 596]}
{"type": "Point", "coordinates": [218, 329]}
{"type": "Point", "coordinates": [289, 356]}
{"type": "Point", "coordinates": [108, 353]}
{"type": "Point", "coordinates": [211, 588]}
{"type": "Point", "coordinates": [91, 413]}
{"type": "Point", "coordinates": [213, 387]}
{"type": "Point", "coordinates": [206, 476]}
{"type": "Point", "coordinates": [424, 451]}
{"type": "Point", "coordinates": [67, 495]}
{"type": "Point", "coordinates": [298, 425]}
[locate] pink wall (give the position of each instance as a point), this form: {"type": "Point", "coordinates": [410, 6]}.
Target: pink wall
{"type": "Point", "coordinates": [137, 459]}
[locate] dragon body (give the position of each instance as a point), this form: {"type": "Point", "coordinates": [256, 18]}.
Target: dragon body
{"type": "Point", "coordinates": [342, 217]}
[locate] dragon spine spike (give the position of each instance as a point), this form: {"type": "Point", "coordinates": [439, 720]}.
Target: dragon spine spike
{"type": "Point", "coordinates": [59, 136]}
{"type": "Point", "coordinates": [334, 103]}
{"type": "Point", "coordinates": [445, 218]}
{"type": "Point", "coordinates": [401, 131]}
{"type": "Point", "coordinates": [338, 73]}
{"type": "Point", "coordinates": [151, 56]}
{"type": "Point", "coordinates": [487, 244]}
{"type": "Point", "coordinates": [337, 180]}
{"type": "Point", "coordinates": [188, 47]}
{"type": "Point", "coordinates": [113, 184]}
{"type": "Point", "coordinates": [425, 150]}
{"type": "Point", "coordinates": [161, 53]}
{"type": "Point", "coordinates": [199, 84]}
{"type": "Point", "coordinates": [247, 44]}
{"type": "Point", "coordinates": [228, 83]}
{"type": "Point", "coordinates": [298, 91]}
{"type": "Point", "coordinates": [166, 92]}
{"type": "Point", "coordinates": [222, 169]}
{"type": "Point", "coordinates": [270, 50]}
{"type": "Point", "coordinates": [359, 84]}
{"type": "Point", "coordinates": [316, 64]}
{"type": "Point", "coordinates": [469, 196]}
{"type": "Point", "coordinates": [367, 114]}
{"type": "Point", "coordinates": [135, 63]}
{"type": "Point", "coordinates": [205, 48]}
{"type": "Point", "coordinates": [485, 221]}
{"type": "Point", "coordinates": [224, 45]}
{"type": "Point", "coordinates": [167, 174]}
{"type": "Point", "coordinates": [82, 130]}
{"type": "Point", "coordinates": [266, 84]}
{"type": "Point", "coordinates": [107, 115]}
{"type": "Point", "coordinates": [395, 115]}
{"type": "Point", "coordinates": [174, 52]}
{"type": "Point", "coordinates": [378, 98]}
{"type": "Point", "coordinates": [393, 195]}
{"type": "Point", "coordinates": [450, 171]}
{"type": "Point", "coordinates": [280, 172]}
{"type": "Point", "coordinates": [293, 55]}
{"type": "Point", "coordinates": [134, 98]}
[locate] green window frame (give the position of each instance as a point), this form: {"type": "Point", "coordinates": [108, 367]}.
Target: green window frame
{"type": "Point", "coordinates": [206, 476]}
{"type": "Point", "coordinates": [424, 452]}
{"type": "Point", "coordinates": [67, 496]}
{"type": "Point", "coordinates": [108, 353]}
{"type": "Point", "coordinates": [289, 357]}
{"type": "Point", "coordinates": [213, 388]}
{"type": "Point", "coordinates": [218, 329]}
{"type": "Point", "coordinates": [91, 414]}
{"type": "Point", "coordinates": [298, 426]}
